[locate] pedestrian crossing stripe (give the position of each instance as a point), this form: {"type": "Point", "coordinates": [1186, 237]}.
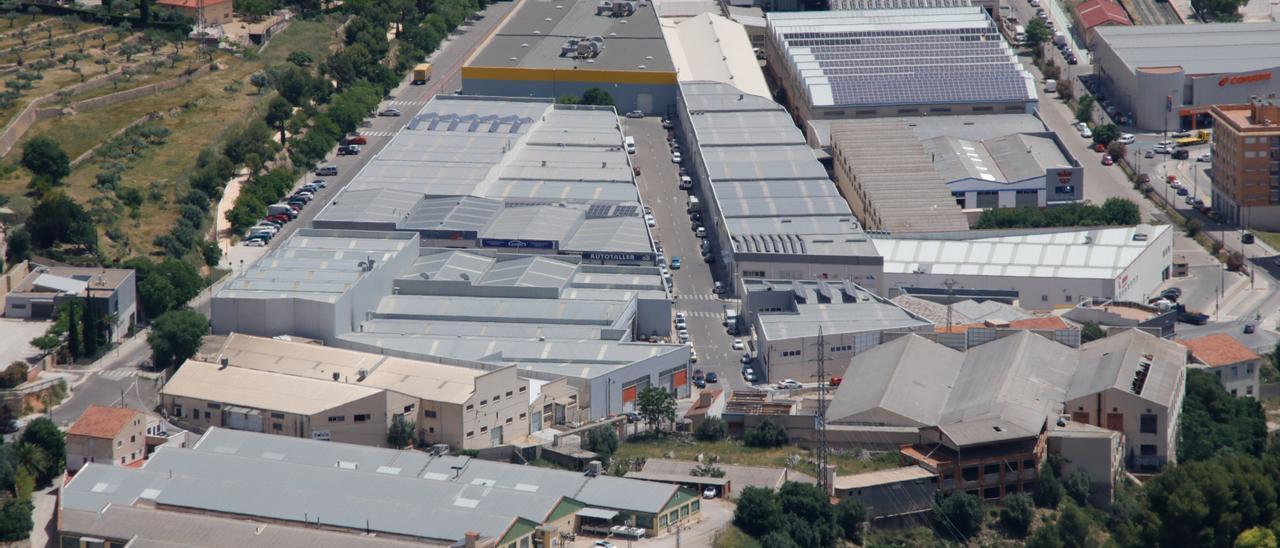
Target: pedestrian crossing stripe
{"type": "Point", "coordinates": [119, 374]}
{"type": "Point", "coordinates": [407, 103]}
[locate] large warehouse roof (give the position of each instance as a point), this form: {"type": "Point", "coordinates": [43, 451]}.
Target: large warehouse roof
{"type": "Point", "coordinates": [774, 194]}
{"type": "Point", "coordinates": [896, 177]}
{"type": "Point", "coordinates": [711, 47]}
{"type": "Point", "coordinates": [920, 56]}
{"type": "Point", "coordinates": [317, 264]}
{"type": "Point", "coordinates": [1007, 159]}
{"type": "Point", "coordinates": [1098, 254]}
{"type": "Point", "coordinates": [535, 35]}
{"type": "Point", "coordinates": [1198, 49]}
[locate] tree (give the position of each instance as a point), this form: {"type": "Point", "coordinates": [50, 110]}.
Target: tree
{"type": "Point", "coordinates": [175, 336]}
{"type": "Point", "coordinates": [1084, 109]}
{"type": "Point", "coordinates": [1045, 536]}
{"type": "Point", "coordinates": [851, 515]}
{"type": "Point", "coordinates": [402, 433]}
{"type": "Point", "coordinates": [1077, 486]}
{"type": "Point", "coordinates": [758, 511]}
{"type": "Point", "coordinates": [1235, 261]}
{"type": "Point", "coordinates": [1117, 150]}
{"type": "Point", "coordinates": [1049, 491]}
{"type": "Point", "coordinates": [278, 113]}
{"type": "Point", "coordinates": [18, 245]}
{"type": "Point", "coordinates": [568, 99]}
{"type": "Point", "coordinates": [59, 219]}
{"type": "Point", "coordinates": [656, 405]}
{"type": "Point", "coordinates": [129, 50]}
{"type": "Point", "coordinates": [74, 341]}
{"type": "Point", "coordinates": [43, 156]}
{"type": "Point", "coordinates": [15, 520]}
{"type": "Point", "coordinates": [104, 62]}
{"type": "Point", "coordinates": [211, 252]}
{"type": "Point", "coordinates": [957, 514]}
{"type": "Point", "coordinates": [602, 440]}
{"type": "Point", "coordinates": [1105, 134]}
{"type": "Point", "coordinates": [1219, 10]}
{"type": "Point", "coordinates": [765, 434]}
{"type": "Point", "coordinates": [157, 296]}
{"type": "Point", "coordinates": [91, 329]}
{"type": "Point", "coordinates": [43, 433]}
{"type": "Point", "coordinates": [1017, 514]}
{"type": "Point", "coordinates": [707, 471]}
{"type": "Point", "coordinates": [1192, 227]}
{"type": "Point", "coordinates": [778, 539]}
{"type": "Point", "coordinates": [1214, 422]}
{"type": "Point", "coordinates": [1257, 537]}
{"type": "Point", "coordinates": [1073, 527]}
{"type": "Point", "coordinates": [597, 96]}
{"type": "Point", "coordinates": [260, 80]}
{"type": "Point", "coordinates": [1091, 331]}
{"type": "Point", "coordinates": [712, 429]}
{"type": "Point", "coordinates": [301, 59]}
{"type": "Point", "coordinates": [1037, 34]}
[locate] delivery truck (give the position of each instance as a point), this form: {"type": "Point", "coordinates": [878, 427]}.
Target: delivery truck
{"type": "Point", "coordinates": [421, 74]}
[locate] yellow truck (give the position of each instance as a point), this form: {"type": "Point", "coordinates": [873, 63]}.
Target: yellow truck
{"type": "Point", "coordinates": [421, 74]}
{"type": "Point", "coordinates": [1198, 138]}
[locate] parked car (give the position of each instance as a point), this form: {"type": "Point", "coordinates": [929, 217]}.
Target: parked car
{"type": "Point", "coordinates": [745, 359]}
{"type": "Point", "coordinates": [1249, 327]}
{"type": "Point", "coordinates": [709, 493]}
{"type": "Point", "coordinates": [749, 375]}
{"type": "Point", "coordinates": [1163, 147]}
{"type": "Point", "coordinates": [1182, 191]}
{"type": "Point", "coordinates": [675, 263]}
{"type": "Point", "coordinates": [835, 381]}
{"type": "Point", "coordinates": [356, 139]}
{"type": "Point", "coordinates": [649, 220]}
{"type": "Point", "coordinates": [1106, 160]}
{"type": "Point", "coordinates": [632, 416]}
{"type": "Point", "coordinates": [1127, 138]}
{"type": "Point", "coordinates": [667, 124]}
{"type": "Point", "coordinates": [392, 112]}
{"type": "Point", "coordinates": [1149, 153]}
{"type": "Point", "coordinates": [635, 114]}
{"type": "Point", "coordinates": [790, 384]}
{"type": "Point", "coordinates": [255, 242]}
{"type": "Point", "coordinates": [1247, 237]}
{"type": "Point", "coordinates": [319, 183]}
{"type": "Point", "coordinates": [712, 377]}
{"type": "Point", "coordinates": [1206, 157]}
{"type": "Point", "coordinates": [676, 158]}
{"type": "Point", "coordinates": [737, 344]}
{"type": "Point", "coordinates": [1086, 133]}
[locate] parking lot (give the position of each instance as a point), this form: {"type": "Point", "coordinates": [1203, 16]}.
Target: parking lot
{"type": "Point", "coordinates": [659, 183]}
{"type": "Point", "coordinates": [15, 339]}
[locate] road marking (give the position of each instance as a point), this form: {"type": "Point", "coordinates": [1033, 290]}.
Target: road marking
{"type": "Point", "coordinates": [118, 374]}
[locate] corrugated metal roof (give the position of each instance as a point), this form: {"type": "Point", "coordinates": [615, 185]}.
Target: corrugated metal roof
{"type": "Point", "coordinates": [262, 390]}
{"type": "Point", "coordinates": [711, 47]}
{"type": "Point", "coordinates": [909, 377]}
{"type": "Point", "coordinates": [1198, 49]}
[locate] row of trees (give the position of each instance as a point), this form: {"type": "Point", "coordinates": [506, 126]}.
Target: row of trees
{"type": "Point", "coordinates": [1114, 211]}
{"type": "Point", "coordinates": [799, 515]}
{"type": "Point", "coordinates": [38, 457]}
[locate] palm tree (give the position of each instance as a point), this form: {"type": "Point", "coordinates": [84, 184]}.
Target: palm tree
{"type": "Point", "coordinates": [32, 457]}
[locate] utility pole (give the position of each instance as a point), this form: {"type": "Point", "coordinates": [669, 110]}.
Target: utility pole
{"type": "Point", "coordinates": [951, 284]}
{"type": "Point", "coordinates": [821, 417]}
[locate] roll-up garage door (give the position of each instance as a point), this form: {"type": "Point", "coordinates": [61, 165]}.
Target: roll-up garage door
{"type": "Point", "coordinates": [629, 394]}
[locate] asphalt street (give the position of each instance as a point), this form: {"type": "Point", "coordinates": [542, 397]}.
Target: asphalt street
{"type": "Point", "coordinates": [659, 183]}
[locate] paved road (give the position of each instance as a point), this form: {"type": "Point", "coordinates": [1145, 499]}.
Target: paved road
{"type": "Point", "coordinates": [659, 184]}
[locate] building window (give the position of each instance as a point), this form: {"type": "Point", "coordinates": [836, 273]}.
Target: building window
{"type": "Point", "coordinates": [991, 493]}
{"type": "Point", "coordinates": [471, 434]}
{"type": "Point", "coordinates": [409, 408]}
{"type": "Point", "coordinates": [509, 419]}
{"type": "Point", "coordinates": [277, 426]}
{"type": "Point", "coordinates": [470, 407]}
{"type": "Point", "coordinates": [429, 414]}
{"type": "Point", "coordinates": [991, 470]}
{"type": "Point", "coordinates": [119, 443]}
{"type": "Point", "coordinates": [1147, 423]}
{"type": "Point", "coordinates": [484, 429]}
{"type": "Point", "coordinates": [208, 416]}
{"type": "Point", "coordinates": [969, 473]}
{"type": "Point", "coordinates": [523, 415]}
{"type": "Point", "coordinates": [1147, 450]}
{"type": "Point", "coordinates": [362, 417]}
{"type": "Point", "coordinates": [752, 273]}
{"type": "Point", "coordinates": [277, 415]}
{"type": "Point", "coordinates": [337, 418]}
{"type": "Point", "coordinates": [177, 410]}
{"type": "Point", "coordinates": [1248, 390]}
{"type": "Point", "coordinates": [497, 398]}
{"type": "Point", "coordinates": [133, 439]}
{"type": "Point", "coordinates": [1044, 298]}
{"type": "Point", "coordinates": [1028, 464]}
{"type": "Point", "coordinates": [522, 389]}
{"type": "Point", "coordinates": [508, 393]}
{"type": "Point", "coordinates": [484, 403]}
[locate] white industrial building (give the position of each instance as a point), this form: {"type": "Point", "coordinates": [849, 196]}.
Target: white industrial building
{"type": "Point", "coordinates": [1048, 268]}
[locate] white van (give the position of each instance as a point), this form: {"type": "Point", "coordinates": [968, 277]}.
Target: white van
{"type": "Point", "coordinates": [1019, 35]}
{"type": "Point", "coordinates": [693, 204]}
{"type": "Point", "coordinates": [686, 183]}
{"type": "Point", "coordinates": [1050, 86]}
{"type": "Point", "coordinates": [630, 143]}
{"type": "Point", "coordinates": [326, 171]}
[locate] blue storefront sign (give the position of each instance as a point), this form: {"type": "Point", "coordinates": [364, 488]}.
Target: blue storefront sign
{"type": "Point", "coordinates": [619, 256]}
{"type": "Point", "coordinates": [517, 244]}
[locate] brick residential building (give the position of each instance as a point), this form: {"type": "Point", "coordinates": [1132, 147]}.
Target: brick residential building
{"type": "Point", "coordinates": [1246, 163]}
{"type": "Point", "coordinates": [1234, 364]}
{"type": "Point", "coordinates": [107, 434]}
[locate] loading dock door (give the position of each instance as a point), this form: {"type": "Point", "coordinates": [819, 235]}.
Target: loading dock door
{"type": "Point", "coordinates": [629, 394]}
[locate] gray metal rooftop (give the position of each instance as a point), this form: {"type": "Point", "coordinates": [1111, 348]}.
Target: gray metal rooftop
{"type": "Point", "coordinates": [495, 309]}
{"type": "Point", "coordinates": [380, 207]}
{"type": "Point", "coordinates": [909, 377]}
{"type": "Point", "coordinates": [1198, 49]}
{"type": "Point", "coordinates": [896, 177]}
{"type": "Point", "coordinates": [837, 318]}
{"type": "Point", "coordinates": [316, 264]}
{"type": "Point", "coordinates": [773, 193]}
{"type": "Point", "coordinates": [461, 213]}
{"type": "Point", "coordinates": [1113, 362]}
{"type": "Point", "coordinates": [842, 5]}
{"type": "Point", "coordinates": [1008, 159]}
{"type": "Point", "coordinates": [569, 358]}
{"type": "Point", "coordinates": [533, 37]}
{"type": "Point", "coordinates": [921, 56]}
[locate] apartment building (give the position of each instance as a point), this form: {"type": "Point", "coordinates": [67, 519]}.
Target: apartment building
{"type": "Point", "coordinates": [108, 435]}
{"type": "Point", "coordinates": [304, 390]}
{"type": "Point", "coordinates": [1246, 163]}
{"type": "Point", "coordinates": [1234, 364]}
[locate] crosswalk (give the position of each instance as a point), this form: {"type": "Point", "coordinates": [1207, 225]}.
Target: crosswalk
{"type": "Point", "coordinates": [705, 297]}
{"type": "Point", "coordinates": [377, 133]}
{"type": "Point", "coordinates": [119, 374]}
{"type": "Point", "coordinates": [405, 103]}
{"type": "Point", "coordinates": [703, 314]}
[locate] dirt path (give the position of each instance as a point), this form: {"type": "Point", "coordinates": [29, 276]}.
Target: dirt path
{"type": "Point", "coordinates": [227, 202]}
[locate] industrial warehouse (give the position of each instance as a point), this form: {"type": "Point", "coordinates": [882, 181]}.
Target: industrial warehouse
{"type": "Point", "coordinates": [1169, 76]}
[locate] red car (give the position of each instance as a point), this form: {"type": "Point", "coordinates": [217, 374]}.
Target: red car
{"type": "Point", "coordinates": [279, 217]}
{"type": "Point", "coordinates": [1106, 160]}
{"type": "Point", "coordinates": [835, 381]}
{"type": "Point", "coordinates": [356, 140]}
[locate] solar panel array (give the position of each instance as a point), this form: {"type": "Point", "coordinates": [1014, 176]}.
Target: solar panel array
{"type": "Point", "coordinates": [903, 62]}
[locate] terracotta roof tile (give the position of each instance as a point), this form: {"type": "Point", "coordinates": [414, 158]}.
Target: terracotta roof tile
{"type": "Point", "coordinates": [1100, 12]}
{"type": "Point", "coordinates": [1218, 350]}
{"type": "Point", "coordinates": [102, 422]}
